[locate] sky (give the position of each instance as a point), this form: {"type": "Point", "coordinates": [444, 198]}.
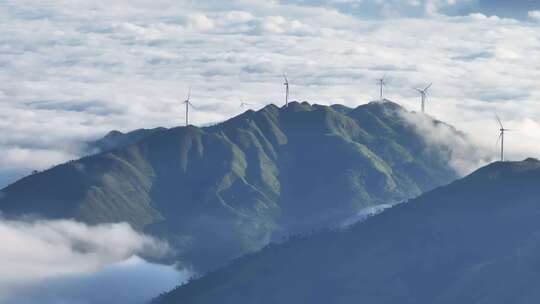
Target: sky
{"type": "Point", "coordinates": [73, 70]}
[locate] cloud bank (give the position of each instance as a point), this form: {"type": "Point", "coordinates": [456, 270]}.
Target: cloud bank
{"type": "Point", "coordinates": [465, 155]}
{"type": "Point", "coordinates": [72, 71]}
{"type": "Point", "coordinates": [53, 262]}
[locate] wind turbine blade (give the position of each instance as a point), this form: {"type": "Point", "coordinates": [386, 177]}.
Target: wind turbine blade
{"type": "Point", "coordinates": [189, 94]}
{"type": "Point", "coordinates": [499, 120]}
{"type": "Point", "coordinates": [286, 80]}
{"type": "Point", "coordinates": [429, 86]}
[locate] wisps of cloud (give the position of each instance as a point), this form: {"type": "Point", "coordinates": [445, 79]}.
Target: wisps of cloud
{"type": "Point", "coordinates": [72, 71]}
{"type": "Point", "coordinates": [364, 214]}
{"type": "Point", "coordinates": [64, 261]}
{"type": "Point", "coordinates": [464, 154]}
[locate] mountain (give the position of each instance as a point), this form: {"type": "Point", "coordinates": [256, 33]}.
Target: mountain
{"type": "Point", "coordinates": [476, 240]}
{"type": "Point", "coordinates": [218, 192]}
{"type": "Point", "coordinates": [116, 139]}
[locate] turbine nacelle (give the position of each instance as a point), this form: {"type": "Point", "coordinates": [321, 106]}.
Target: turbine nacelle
{"type": "Point", "coordinates": [188, 100]}
{"type": "Point", "coordinates": [188, 104]}
{"type": "Point", "coordinates": [423, 94]}
{"type": "Point", "coordinates": [244, 104]}
{"type": "Point", "coordinates": [502, 131]}
{"type": "Point", "coordinates": [382, 84]}
{"type": "Point", "coordinates": [286, 84]}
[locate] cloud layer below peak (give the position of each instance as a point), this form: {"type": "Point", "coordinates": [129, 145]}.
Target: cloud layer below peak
{"type": "Point", "coordinates": [63, 261]}
{"type": "Point", "coordinates": [72, 71]}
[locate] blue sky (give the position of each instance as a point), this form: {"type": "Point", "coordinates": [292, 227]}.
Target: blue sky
{"type": "Point", "coordinates": [517, 9]}
{"type": "Point", "coordinates": [72, 71]}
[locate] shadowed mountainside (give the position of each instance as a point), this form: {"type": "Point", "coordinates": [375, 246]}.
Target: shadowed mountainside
{"type": "Point", "coordinates": [476, 240]}
{"type": "Point", "coordinates": [218, 192]}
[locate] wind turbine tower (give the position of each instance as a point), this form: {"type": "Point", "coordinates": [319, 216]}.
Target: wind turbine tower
{"type": "Point", "coordinates": [382, 84]}
{"type": "Point", "coordinates": [423, 93]}
{"type": "Point", "coordinates": [188, 104]}
{"type": "Point", "coordinates": [501, 136]}
{"type": "Point", "coordinates": [286, 84]}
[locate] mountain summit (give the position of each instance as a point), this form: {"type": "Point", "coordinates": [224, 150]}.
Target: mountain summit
{"type": "Point", "coordinates": [218, 192]}
{"type": "Point", "coordinates": [473, 241]}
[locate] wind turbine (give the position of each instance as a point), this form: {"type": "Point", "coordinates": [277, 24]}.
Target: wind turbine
{"type": "Point", "coordinates": [382, 84]}
{"type": "Point", "coordinates": [423, 93]}
{"type": "Point", "coordinates": [188, 103]}
{"type": "Point", "coordinates": [244, 104]}
{"type": "Point", "coordinates": [501, 136]}
{"type": "Point", "coordinates": [286, 84]}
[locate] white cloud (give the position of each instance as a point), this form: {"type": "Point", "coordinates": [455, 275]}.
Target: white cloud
{"type": "Point", "coordinates": [72, 71]}
{"type": "Point", "coordinates": [534, 16]}
{"type": "Point", "coordinates": [63, 261]}
{"type": "Point", "coordinates": [45, 249]}
{"type": "Point", "coordinates": [281, 25]}
{"type": "Point", "coordinates": [200, 22]}
{"type": "Point", "coordinates": [238, 17]}
{"type": "Point", "coordinates": [31, 159]}
{"type": "Point", "coordinates": [465, 155]}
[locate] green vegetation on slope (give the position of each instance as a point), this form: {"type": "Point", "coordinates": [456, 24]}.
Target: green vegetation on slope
{"type": "Point", "coordinates": [218, 192]}
{"type": "Point", "coordinates": [474, 241]}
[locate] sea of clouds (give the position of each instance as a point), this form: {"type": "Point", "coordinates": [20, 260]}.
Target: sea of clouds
{"type": "Point", "coordinates": [64, 261]}
{"type": "Point", "coordinates": [74, 70]}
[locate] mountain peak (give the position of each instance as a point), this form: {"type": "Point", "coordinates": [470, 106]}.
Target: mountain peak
{"type": "Point", "coordinates": [245, 181]}
{"type": "Point", "coordinates": [113, 133]}
{"type": "Point", "coordinates": [385, 104]}
{"type": "Point", "coordinates": [509, 168]}
{"type": "Point", "coordinates": [469, 242]}
{"type": "Point", "coordinates": [116, 139]}
{"type": "Point", "coordinates": [295, 106]}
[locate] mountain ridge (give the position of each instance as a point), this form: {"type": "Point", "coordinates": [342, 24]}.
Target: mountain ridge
{"type": "Point", "coordinates": [116, 139]}
{"type": "Point", "coordinates": [241, 183]}
{"type": "Point", "coordinates": [472, 241]}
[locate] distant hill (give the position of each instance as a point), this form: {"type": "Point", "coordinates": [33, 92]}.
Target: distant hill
{"type": "Point", "coordinates": [474, 241]}
{"type": "Point", "coordinates": [218, 192]}
{"type": "Point", "coordinates": [116, 139]}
